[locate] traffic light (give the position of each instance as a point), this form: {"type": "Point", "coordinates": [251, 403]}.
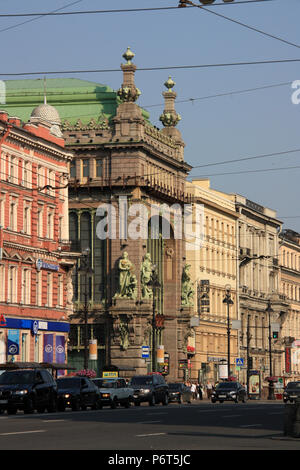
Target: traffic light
{"type": "Point", "coordinates": [275, 334]}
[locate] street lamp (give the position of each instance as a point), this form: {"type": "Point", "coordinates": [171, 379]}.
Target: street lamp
{"type": "Point", "coordinates": [269, 310]}
{"type": "Point", "coordinates": [227, 300]}
{"type": "Point", "coordinates": [155, 284]}
{"type": "Point", "coordinates": [87, 271]}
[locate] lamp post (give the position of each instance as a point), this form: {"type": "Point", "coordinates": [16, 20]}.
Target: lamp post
{"type": "Point", "coordinates": [227, 300]}
{"type": "Point", "coordinates": [87, 271]}
{"type": "Point", "coordinates": [155, 284]}
{"type": "Point", "coordinates": [269, 310]}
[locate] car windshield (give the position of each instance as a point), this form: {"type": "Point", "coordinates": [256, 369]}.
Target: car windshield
{"type": "Point", "coordinates": [104, 383]}
{"type": "Point", "coordinates": [174, 386]}
{"type": "Point", "coordinates": [68, 383]}
{"type": "Point", "coordinates": [293, 385]}
{"type": "Point", "coordinates": [226, 385]}
{"type": "Point", "coordinates": [17, 377]}
{"type": "Point", "coordinates": [141, 381]}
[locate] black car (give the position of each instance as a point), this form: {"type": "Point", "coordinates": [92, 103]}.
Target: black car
{"type": "Point", "coordinates": [229, 391]}
{"type": "Point", "coordinates": [77, 393]}
{"type": "Point", "coordinates": [27, 390]}
{"type": "Point", "coordinates": [149, 388]}
{"type": "Point", "coordinates": [179, 392]}
{"type": "Point", "coordinates": [291, 392]}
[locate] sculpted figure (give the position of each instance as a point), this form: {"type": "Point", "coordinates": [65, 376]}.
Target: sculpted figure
{"type": "Point", "coordinates": [146, 275]}
{"type": "Point", "coordinates": [126, 278]}
{"type": "Point", "coordinates": [187, 291]}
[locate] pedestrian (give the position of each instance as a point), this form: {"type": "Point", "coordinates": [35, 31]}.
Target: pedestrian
{"type": "Point", "coordinates": [200, 391]}
{"type": "Point", "coordinates": [193, 389]}
{"type": "Point", "coordinates": [209, 389]}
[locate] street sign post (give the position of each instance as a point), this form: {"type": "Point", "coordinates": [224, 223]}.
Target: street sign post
{"type": "Point", "coordinates": [239, 361]}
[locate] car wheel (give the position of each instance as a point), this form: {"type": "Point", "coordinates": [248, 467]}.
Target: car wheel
{"type": "Point", "coordinates": [52, 406]}
{"type": "Point", "coordinates": [61, 408]}
{"type": "Point", "coordinates": [40, 409]}
{"type": "Point", "coordinates": [127, 403]}
{"type": "Point", "coordinates": [136, 403]}
{"type": "Point", "coordinates": [29, 407]}
{"type": "Point", "coordinates": [152, 400]}
{"type": "Point", "coordinates": [114, 404]}
{"type": "Point", "coordinates": [179, 401]}
{"type": "Point", "coordinates": [213, 400]}
{"type": "Point", "coordinates": [165, 400]}
{"type": "Point", "coordinates": [76, 405]}
{"type": "Point", "coordinates": [11, 411]}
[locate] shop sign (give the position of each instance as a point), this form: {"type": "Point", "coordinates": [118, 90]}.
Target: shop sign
{"type": "Point", "coordinates": [40, 264]}
{"type": "Point", "coordinates": [2, 320]}
{"type": "Point", "coordinates": [13, 346]}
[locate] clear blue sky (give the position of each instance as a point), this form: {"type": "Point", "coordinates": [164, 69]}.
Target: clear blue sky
{"type": "Point", "coordinates": [215, 129]}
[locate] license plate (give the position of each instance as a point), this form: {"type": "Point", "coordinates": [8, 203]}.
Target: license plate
{"type": "Point", "coordinates": [135, 396]}
{"type": "Point", "coordinates": [3, 402]}
{"type": "Point", "coordinates": [292, 396]}
{"type": "Point", "coordinates": [222, 396]}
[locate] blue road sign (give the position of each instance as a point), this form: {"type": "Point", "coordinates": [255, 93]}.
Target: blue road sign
{"type": "Point", "coordinates": [239, 361]}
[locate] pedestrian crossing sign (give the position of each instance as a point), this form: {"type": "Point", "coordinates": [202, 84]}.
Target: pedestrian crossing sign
{"type": "Point", "coordinates": [239, 361]}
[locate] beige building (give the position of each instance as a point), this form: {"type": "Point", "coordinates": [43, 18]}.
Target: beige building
{"type": "Point", "coordinates": [214, 267]}
{"type": "Point", "coordinates": [289, 256]}
{"type": "Point", "coordinates": [258, 240]}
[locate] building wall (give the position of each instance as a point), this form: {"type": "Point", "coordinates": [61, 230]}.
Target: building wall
{"type": "Point", "coordinates": [214, 266]}
{"type": "Point", "coordinates": [34, 264]}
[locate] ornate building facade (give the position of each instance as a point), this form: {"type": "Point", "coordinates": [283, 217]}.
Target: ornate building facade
{"type": "Point", "coordinates": [289, 256]}
{"type": "Point", "coordinates": [214, 270]}
{"type": "Point", "coordinates": [35, 262]}
{"type": "Point", "coordinates": [120, 161]}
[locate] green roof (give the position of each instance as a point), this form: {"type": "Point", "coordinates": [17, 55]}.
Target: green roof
{"type": "Point", "coordinates": [73, 98]}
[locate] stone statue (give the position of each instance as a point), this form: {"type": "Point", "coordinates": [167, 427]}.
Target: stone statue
{"type": "Point", "coordinates": [124, 335]}
{"type": "Point", "coordinates": [187, 291]}
{"type": "Point", "coordinates": [132, 288]}
{"type": "Point", "coordinates": [126, 278]}
{"type": "Point", "coordinates": [146, 277]}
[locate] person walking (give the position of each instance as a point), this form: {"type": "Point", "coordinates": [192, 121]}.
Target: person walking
{"type": "Point", "coordinates": [193, 389]}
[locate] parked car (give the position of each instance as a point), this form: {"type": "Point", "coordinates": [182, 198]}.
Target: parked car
{"type": "Point", "coordinates": [291, 392]}
{"type": "Point", "coordinates": [149, 388]}
{"type": "Point", "coordinates": [27, 390]}
{"type": "Point", "coordinates": [114, 392]}
{"type": "Point", "coordinates": [77, 393]}
{"type": "Point", "coordinates": [229, 391]}
{"type": "Point", "coordinates": [179, 392]}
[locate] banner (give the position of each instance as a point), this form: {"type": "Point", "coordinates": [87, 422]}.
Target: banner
{"type": "Point", "coordinates": [60, 354]}
{"type": "Point", "coordinates": [93, 353]}
{"type": "Point", "coordinates": [48, 348]}
{"type": "Point", "coordinates": [13, 346]}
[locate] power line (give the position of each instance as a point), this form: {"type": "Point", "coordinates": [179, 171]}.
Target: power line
{"type": "Point", "coordinates": [124, 10]}
{"type": "Point", "coordinates": [244, 25]}
{"type": "Point", "coordinates": [39, 15]}
{"type": "Point", "coordinates": [250, 171]}
{"type": "Point", "coordinates": [147, 69]}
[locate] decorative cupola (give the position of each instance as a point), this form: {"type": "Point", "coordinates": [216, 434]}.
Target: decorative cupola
{"type": "Point", "coordinates": [170, 117]}
{"type": "Point", "coordinates": [129, 120]}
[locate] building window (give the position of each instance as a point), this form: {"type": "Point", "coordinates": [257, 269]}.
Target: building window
{"type": "Point", "coordinates": [60, 290]}
{"type": "Point", "coordinates": [40, 222]}
{"type": "Point", "coordinates": [13, 216]}
{"type": "Point", "coordinates": [50, 224]}
{"type": "Point", "coordinates": [39, 286]}
{"type": "Point", "coordinates": [12, 285]}
{"type": "Point", "coordinates": [26, 286]}
{"type": "Point", "coordinates": [85, 168]}
{"type": "Point", "coordinates": [98, 168]}
{"type": "Point", "coordinates": [24, 352]}
{"type": "Point", "coordinates": [27, 220]}
{"type": "Point", "coordinates": [49, 290]}
{"type": "Point", "coordinates": [73, 169]}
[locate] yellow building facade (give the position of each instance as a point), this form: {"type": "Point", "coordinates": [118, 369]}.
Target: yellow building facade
{"type": "Point", "coordinates": [214, 271]}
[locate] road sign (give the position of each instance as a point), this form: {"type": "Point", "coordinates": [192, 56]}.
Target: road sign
{"type": "Point", "coordinates": [145, 352]}
{"type": "Point", "coordinates": [239, 361]}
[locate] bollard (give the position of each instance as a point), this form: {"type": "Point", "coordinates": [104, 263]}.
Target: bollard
{"type": "Point", "coordinates": [292, 419]}
{"type": "Point", "coordinates": [296, 424]}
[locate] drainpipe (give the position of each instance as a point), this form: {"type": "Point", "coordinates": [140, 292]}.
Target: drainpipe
{"type": "Point", "coordinates": [9, 126]}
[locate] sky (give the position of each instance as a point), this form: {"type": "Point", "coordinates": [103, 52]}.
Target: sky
{"type": "Point", "coordinates": [238, 125]}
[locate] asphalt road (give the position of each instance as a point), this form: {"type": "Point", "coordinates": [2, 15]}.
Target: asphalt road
{"type": "Point", "coordinates": [199, 426]}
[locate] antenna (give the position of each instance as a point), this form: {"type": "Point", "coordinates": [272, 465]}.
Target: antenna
{"type": "Point", "coordinates": [45, 94]}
